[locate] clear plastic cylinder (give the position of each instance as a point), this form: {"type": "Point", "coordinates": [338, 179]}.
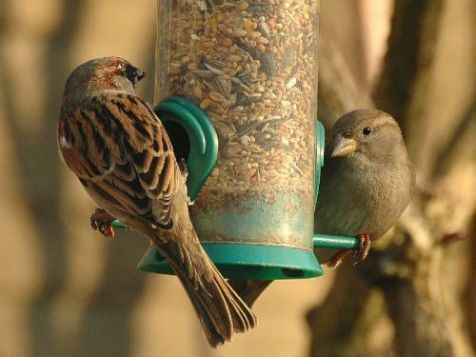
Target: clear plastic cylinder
{"type": "Point", "coordinates": [252, 67]}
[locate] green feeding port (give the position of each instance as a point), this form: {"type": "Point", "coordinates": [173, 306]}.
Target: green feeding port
{"type": "Point", "coordinates": [320, 145]}
{"type": "Point", "coordinates": [193, 137]}
{"type": "Point", "coordinates": [248, 253]}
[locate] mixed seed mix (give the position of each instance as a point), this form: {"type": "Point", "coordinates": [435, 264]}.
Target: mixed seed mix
{"type": "Point", "coordinates": [252, 66]}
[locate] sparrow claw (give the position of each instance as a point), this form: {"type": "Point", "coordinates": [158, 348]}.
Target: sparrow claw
{"type": "Point", "coordinates": [336, 259]}
{"type": "Point", "coordinates": [359, 256]}
{"type": "Point", "coordinates": [364, 243]}
{"type": "Point", "coordinates": [101, 221]}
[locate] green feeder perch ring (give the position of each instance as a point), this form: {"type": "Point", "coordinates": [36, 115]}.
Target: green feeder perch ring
{"type": "Point", "coordinates": [261, 262]}
{"type": "Point", "coordinates": [247, 261]}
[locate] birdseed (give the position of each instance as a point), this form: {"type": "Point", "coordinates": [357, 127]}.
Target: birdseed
{"type": "Point", "coordinates": [252, 66]}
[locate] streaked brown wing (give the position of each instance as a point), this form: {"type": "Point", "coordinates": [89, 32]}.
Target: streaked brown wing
{"type": "Point", "coordinates": [117, 147]}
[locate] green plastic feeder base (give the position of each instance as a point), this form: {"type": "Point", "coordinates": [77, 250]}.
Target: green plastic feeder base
{"type": "Point", "coordinates": [247, 261]}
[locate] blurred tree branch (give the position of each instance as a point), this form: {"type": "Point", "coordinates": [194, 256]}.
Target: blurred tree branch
{"type": "Point", "coordinates": [409, 58]}
{"type": "Point", "coordinates": [338, 90]}
{"type": "Point", "coordinates": [408, 264]}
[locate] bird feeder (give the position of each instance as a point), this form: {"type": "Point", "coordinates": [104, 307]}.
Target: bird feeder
{"type": "Point", "coordinates": [237, 87]}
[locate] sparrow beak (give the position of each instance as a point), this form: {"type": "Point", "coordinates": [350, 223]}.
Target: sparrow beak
{"type": "Point", "coordinates": [134, 74]}
{"type": "Point", "coordinates": [137, 76]}
{"type": "Point", "coordinates": [344, 146]}
{"type": "Point", "coordinates": [140, 75]}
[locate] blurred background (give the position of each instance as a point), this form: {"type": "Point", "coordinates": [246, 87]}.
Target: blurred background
{"type": "Point", "coordinates": [66, 291]}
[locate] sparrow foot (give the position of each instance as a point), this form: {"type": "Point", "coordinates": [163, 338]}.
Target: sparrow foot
{"type": "Point", "coordinates": [359, 256]}
{"type": "Point", "coordinates": [101, 221]}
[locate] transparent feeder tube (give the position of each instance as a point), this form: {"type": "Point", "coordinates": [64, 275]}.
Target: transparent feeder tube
{"type": "Point", "coordinates": [252, 67]}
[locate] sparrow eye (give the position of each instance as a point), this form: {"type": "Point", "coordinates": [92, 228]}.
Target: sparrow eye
{"type": "Point", "coordinates": [367, 130]}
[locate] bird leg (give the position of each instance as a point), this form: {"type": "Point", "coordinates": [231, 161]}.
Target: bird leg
{"type": "Point", "coordinates": [360, 255]}
{"type": "Point", "coordinates": [102, 222]}
{"type": "Point", "coordinates": [336, 259]}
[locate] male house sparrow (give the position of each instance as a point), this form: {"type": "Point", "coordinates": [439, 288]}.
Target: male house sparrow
{"type": "Point", "coordinates": [112, 140]}
{"type": "Point", "coordinates": [366, 184]}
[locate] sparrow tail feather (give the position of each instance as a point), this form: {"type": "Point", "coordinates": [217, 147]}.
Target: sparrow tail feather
{"type": "Point", "coordinates": [219, 307]}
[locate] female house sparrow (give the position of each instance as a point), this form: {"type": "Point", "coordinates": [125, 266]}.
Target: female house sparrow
{"type": "Point", "coordinates": [368, 179]}
{"type": "Point", "coordinates": [112, 140]}
{"type": "Point", "coordinates": [366, 184]}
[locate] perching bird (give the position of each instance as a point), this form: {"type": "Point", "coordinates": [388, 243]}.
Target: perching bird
{"type": "Point", "coordinates": [366, 184]}
{"type": "Point", "coordinates": [112, 140]}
